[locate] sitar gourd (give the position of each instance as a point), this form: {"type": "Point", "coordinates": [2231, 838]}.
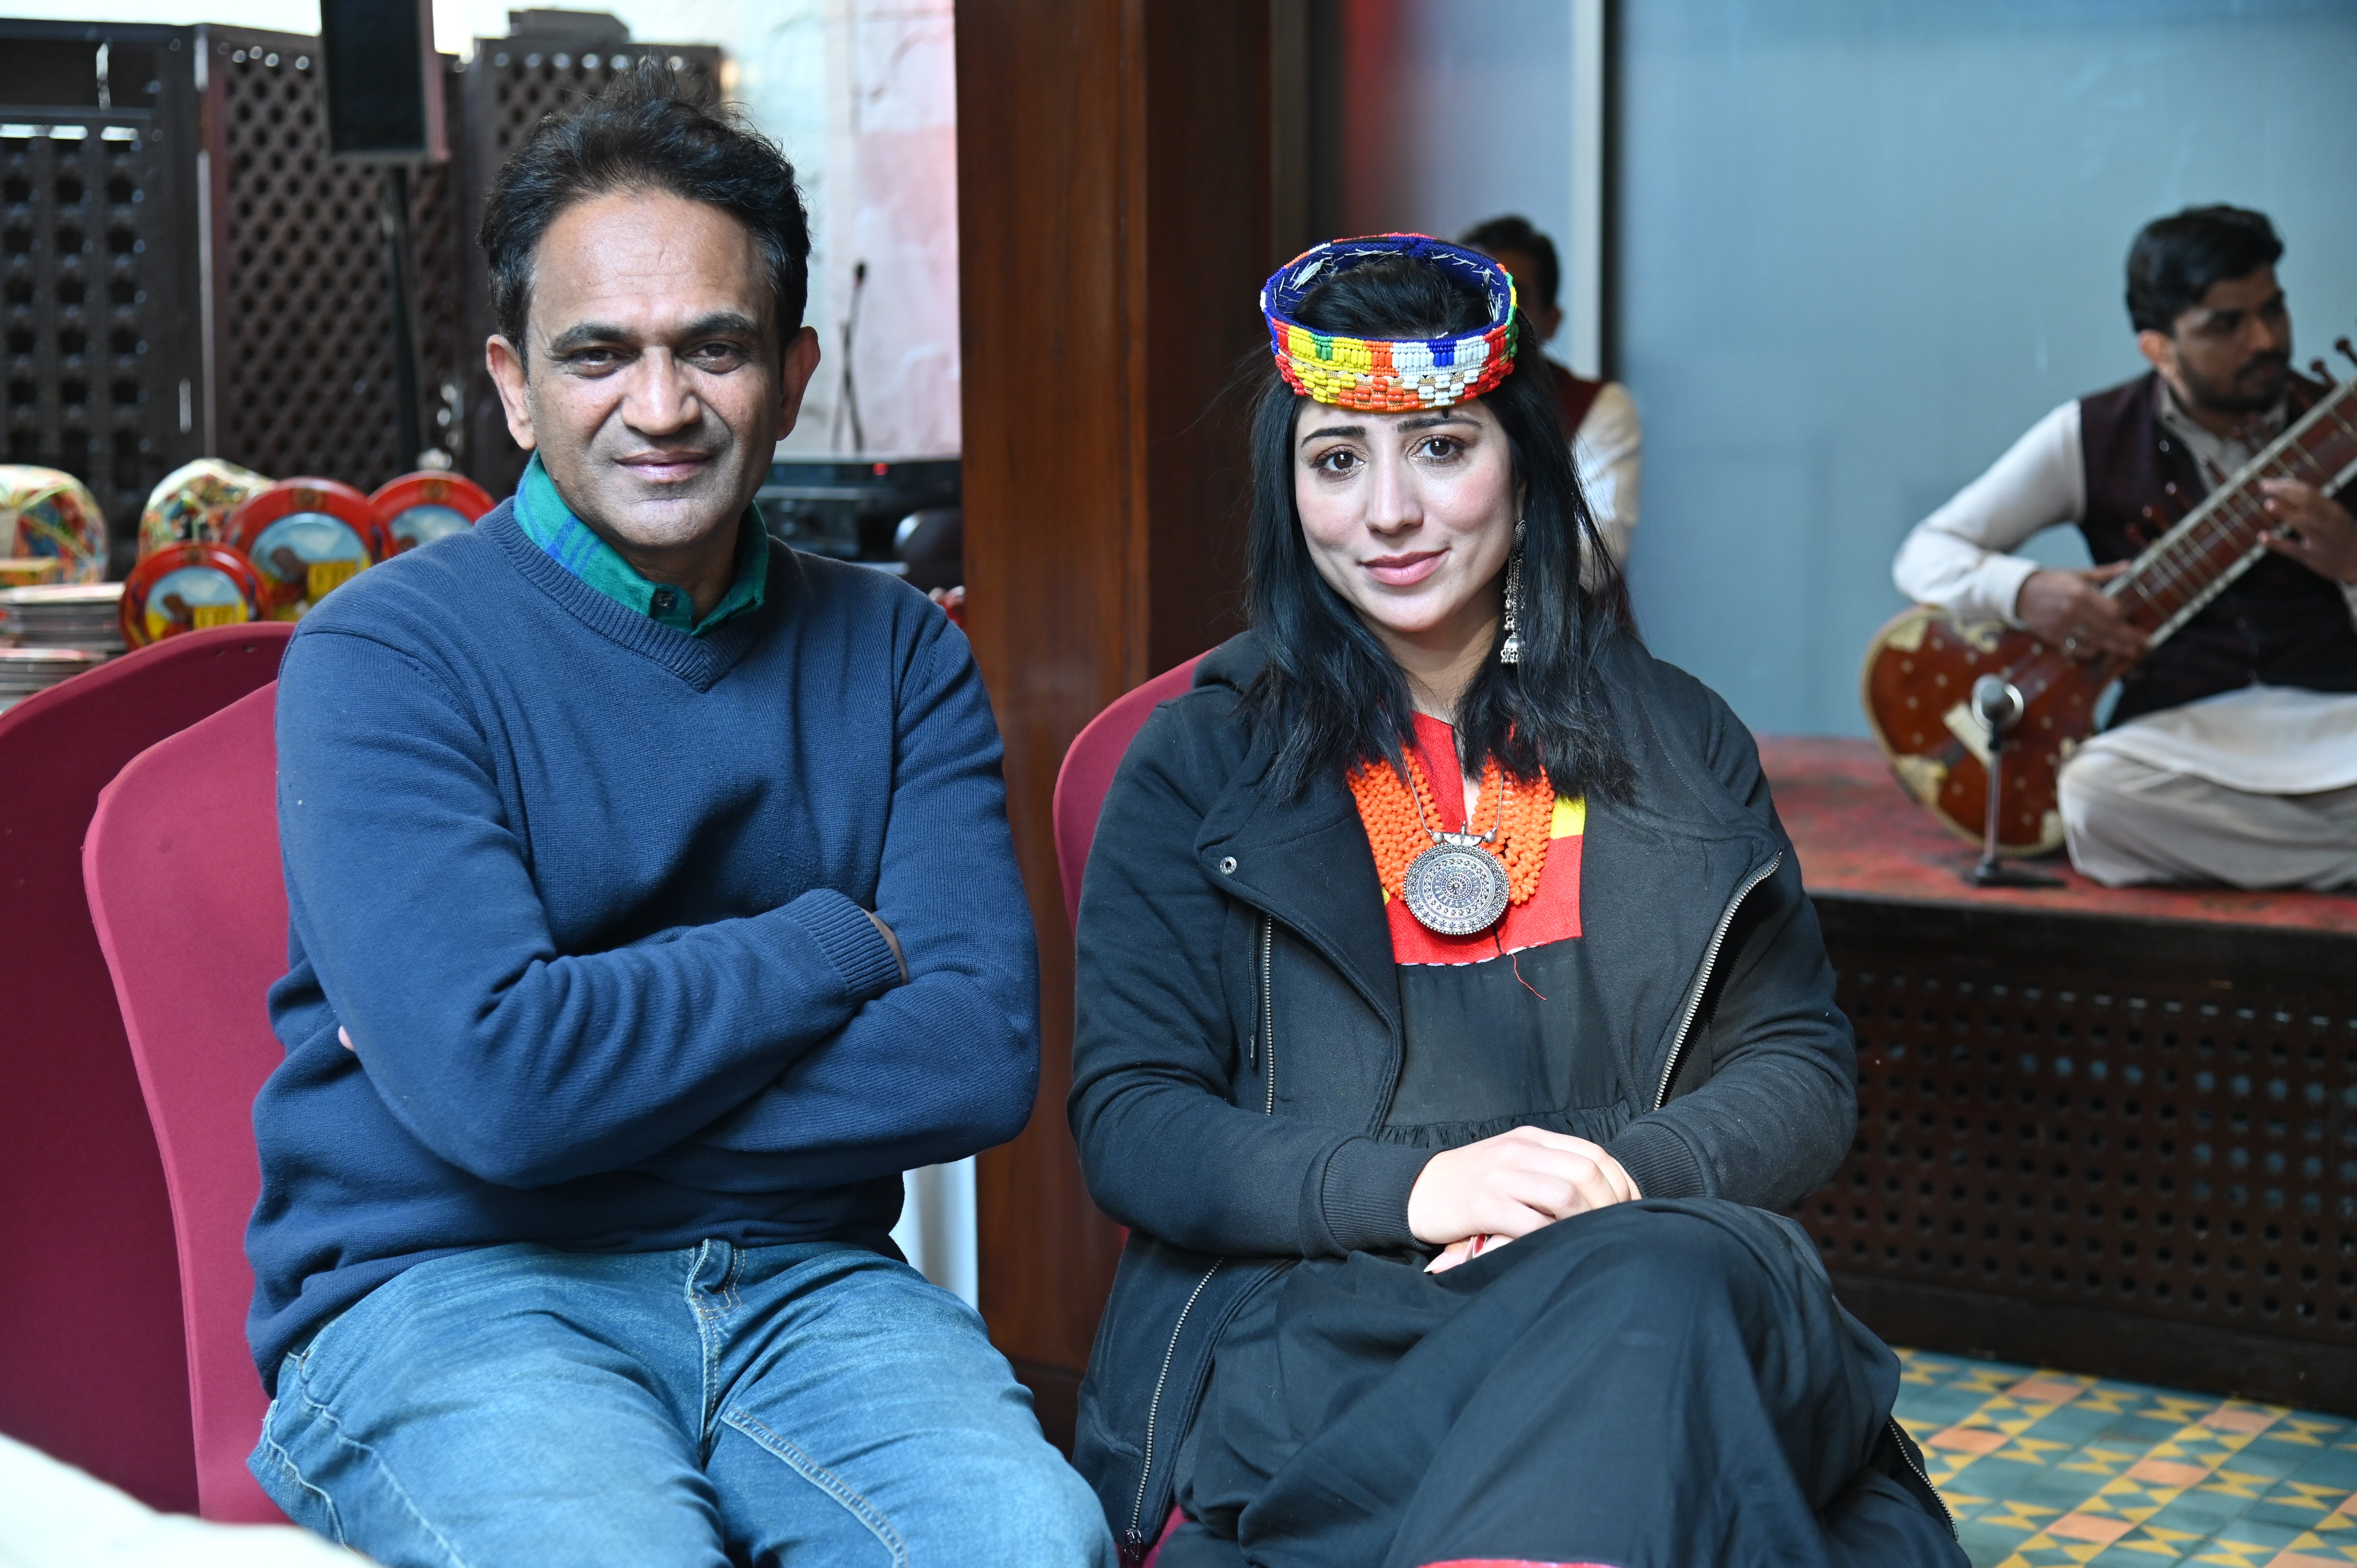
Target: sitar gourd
{"type": "Point", "coordinates": [1918, 680]}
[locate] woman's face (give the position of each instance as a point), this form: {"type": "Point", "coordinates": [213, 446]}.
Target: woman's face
{"type": "Point", "coordinates": [1410, 516]}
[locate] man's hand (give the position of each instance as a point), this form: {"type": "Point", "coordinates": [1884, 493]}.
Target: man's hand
{"type": "Point", "coordinates": [1512, 1184]}
{"type": "Point", "coordinates": [892, 941]}
{"type": "Point", "coordinates": [2068, 610]}
{"type": "Point", "coordinates": [2312, 529]}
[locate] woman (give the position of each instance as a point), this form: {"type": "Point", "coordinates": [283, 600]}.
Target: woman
{"type": "Point", "coordinates": [1448, 1001]}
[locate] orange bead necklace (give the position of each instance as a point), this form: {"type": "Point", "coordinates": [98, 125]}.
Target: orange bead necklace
{"type": "Point", "coordinates": [1399, 814]}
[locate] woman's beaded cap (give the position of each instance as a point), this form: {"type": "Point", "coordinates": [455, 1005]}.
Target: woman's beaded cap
{"type": "Point", "coordinates": [1380, 375]}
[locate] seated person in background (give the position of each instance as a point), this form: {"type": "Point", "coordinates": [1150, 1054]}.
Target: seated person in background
{"type": "Point", "coordinates": [2232, 757]}
{"type": "Point", "coordinates": [1442, 1171]}
{"type": "Point", "coordinates": [1599, 419]}
{"type": "Point", "coordinates": [652, 908]}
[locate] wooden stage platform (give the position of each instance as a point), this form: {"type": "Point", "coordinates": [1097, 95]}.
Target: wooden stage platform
{"type": "Point", "coordinates": [2114, 1131]}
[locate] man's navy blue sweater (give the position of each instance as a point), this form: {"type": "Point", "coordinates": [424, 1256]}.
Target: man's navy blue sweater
{"type": "Point", "coordinates": [588, 895]}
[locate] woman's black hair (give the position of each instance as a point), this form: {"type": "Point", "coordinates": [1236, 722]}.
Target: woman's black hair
{"type": "Point", "coordinates": [1329, 688]}
{"type": "Point", "coordinates": [651, 129]}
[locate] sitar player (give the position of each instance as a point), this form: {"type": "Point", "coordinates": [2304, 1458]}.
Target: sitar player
{"type": "Point", "coordinates": [2232, 757]}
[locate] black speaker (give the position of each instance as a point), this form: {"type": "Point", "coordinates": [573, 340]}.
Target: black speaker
{"type": "Point", "coordinates": [384, 82]}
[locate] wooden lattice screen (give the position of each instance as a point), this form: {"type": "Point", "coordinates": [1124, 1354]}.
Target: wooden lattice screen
{"type": "Point", "coordinates": [303, 333]}
{"type": "Point", "coordinates": [98, 286]}
{"type": "Point", "coordinates": [2129, 1147]}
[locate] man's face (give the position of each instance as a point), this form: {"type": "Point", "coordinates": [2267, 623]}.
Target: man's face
{"type": "Point", "coordinates": [2231, 353]}
{"type": "Point", "coordinates": [650, 381]}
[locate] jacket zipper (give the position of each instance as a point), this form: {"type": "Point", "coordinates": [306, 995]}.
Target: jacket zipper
{"type": "Point", "coordinates": [1899, 1441]}
{"type": "Point", "coordinates": [1134, 1544]}
{"type": "Point", "coordinates": [1702, 981]}
{"type": "Point", "coordinates": [1268, 1002]}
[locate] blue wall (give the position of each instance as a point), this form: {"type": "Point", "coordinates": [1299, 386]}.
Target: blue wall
{"type": "Point", "coordinates": [1864, 243]}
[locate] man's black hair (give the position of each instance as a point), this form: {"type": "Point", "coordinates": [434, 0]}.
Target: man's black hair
{"type": "Point", "coordinates": [2176, 260]}
{"type": "Point", "coordinates": [656, 130]}
{"type": "Point", "coordinates": [1331, 690]}
{"type": "Point", "coordinates": [1514, 233]}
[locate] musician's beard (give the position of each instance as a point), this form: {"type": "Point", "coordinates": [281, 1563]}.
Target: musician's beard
{"type": "Point", "coordinates": [2254, 387]}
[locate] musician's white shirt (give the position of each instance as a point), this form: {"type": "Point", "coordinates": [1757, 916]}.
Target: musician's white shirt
{"type": "Point", "coordinates": [2273, 740]}
{"type": "Point", "coordinates": [1608, 453]}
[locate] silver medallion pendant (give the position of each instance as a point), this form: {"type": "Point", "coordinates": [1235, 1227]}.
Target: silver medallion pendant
{"type": "Point", "coordinates": [1455, 889]}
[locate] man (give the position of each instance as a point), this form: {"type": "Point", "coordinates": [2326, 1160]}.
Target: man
{"type": "Point", "coordinates": [1599, 418]}
{"type": "Point", "coordinates": [652, 908]}
{"type": "Point", "coordinates": [2232, 757]}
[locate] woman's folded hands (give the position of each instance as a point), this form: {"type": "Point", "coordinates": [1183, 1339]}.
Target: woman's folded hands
{"type": "Point", "coordinates": [1478, 1197]}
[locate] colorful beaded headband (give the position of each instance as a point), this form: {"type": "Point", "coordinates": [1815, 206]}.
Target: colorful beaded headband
{"type": "Point", "coordinates": [1380, 375]}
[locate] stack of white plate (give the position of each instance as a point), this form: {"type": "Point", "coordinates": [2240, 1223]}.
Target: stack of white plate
{"type": "Point", "coordinates": [25, 670]}
{"type": "Point", "coordinates": [52, 631]}
{"type": "Point", "coordinates": [63, 615]}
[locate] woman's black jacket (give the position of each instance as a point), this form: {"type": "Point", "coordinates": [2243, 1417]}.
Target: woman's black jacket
{"type": "Point", "coordinates": [1238, 1030]}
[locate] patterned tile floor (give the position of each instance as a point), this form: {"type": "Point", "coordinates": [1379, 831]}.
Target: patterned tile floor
{"type": "Point", "coordinates": [2052, 1467]}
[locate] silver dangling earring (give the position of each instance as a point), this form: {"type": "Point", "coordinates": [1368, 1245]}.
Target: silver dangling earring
{"type": "Point", "coordinates": [1511, 650]}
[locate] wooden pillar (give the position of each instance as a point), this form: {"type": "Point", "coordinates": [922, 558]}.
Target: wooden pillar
{"type": "Point", "coordinates": [1113, 210]}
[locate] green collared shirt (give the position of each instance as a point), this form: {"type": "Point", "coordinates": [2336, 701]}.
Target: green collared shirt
{"type": "Point", "coordinates": [576, 547]}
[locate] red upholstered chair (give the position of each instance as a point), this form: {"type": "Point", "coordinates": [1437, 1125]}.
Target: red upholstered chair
{"type": "Point", "coordinates": [183, 874]}
{"type": "Point", "coordinates": [91, 1366]}
{"type": "Point", "coordinates": [1089, 766]}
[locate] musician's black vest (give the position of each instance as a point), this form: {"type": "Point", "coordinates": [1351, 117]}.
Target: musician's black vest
{"type": "Point", "coordinates": [2279, 624]}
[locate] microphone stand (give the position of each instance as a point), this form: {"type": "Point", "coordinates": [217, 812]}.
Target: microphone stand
{"type": "Point", "coordinates": [1996, 702]}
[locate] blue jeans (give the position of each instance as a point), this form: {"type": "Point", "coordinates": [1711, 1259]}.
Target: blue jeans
{"type": "Point", "coordinates": [810, 1403]}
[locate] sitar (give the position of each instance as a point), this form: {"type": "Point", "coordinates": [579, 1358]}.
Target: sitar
{"type": "Point", "coordinates": [1920, 669]}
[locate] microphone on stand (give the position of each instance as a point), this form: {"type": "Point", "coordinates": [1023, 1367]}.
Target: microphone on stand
{"type": "Point", "coordinates": [1997, 702]}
